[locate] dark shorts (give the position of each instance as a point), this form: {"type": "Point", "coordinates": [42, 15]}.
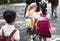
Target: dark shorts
{"type": "Point", "coordinates": [31, 32]}
{"type": "Point", "coordinates": [48, 35]}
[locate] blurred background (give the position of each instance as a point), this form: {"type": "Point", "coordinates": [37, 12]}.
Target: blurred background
{"type": "Point", "coordinates": [19, 7]}
{"type": "Point", "coordinates": [12, 1]}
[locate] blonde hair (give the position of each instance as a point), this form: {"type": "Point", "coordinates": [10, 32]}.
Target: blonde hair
{"type": "Point", "coordinates": [31, 6]}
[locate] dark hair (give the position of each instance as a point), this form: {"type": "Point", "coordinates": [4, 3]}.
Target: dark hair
{"type": "Point", "coordinates": [30, 1]}
{"type": "Point", "coordinates": [44, 10]}
{"type": "Point", "coordinates": [44, 6]}
{"type": "Point", "coordinates": [9, 16]}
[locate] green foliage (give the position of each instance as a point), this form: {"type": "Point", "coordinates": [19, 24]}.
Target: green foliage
{"type": "Point", "coordinates": [3, 1]}
{"type": "Point", "coordinates": [11, 1]}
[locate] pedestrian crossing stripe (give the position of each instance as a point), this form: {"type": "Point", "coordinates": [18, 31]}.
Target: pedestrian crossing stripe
{"type": "Point", "coordinates": [58, 39]}
{"type": "Point", "coordinates": [53, 28]}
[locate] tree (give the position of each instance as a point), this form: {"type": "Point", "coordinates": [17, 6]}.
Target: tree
{"type": "Point", "coordinates": [8, 1]}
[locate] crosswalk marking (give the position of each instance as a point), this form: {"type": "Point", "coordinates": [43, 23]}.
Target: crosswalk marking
{"type": "Point", "coordinates": [53, 28]}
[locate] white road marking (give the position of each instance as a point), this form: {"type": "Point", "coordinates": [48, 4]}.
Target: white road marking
{"type": "Point", "coordinates": [53, 28]}
{"type": "Point", "coordinates": [58, 39]}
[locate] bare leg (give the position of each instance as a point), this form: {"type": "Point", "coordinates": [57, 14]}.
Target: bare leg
{"type": "Point", "coordinates": [45, 39]}
{"type": "Point", "coordinates": [31, 37]}
{"type": "Point", "coordinates": [40, 38]}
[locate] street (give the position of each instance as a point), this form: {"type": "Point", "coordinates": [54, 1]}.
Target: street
{"type": "Point", "coordinates": [19, 8]}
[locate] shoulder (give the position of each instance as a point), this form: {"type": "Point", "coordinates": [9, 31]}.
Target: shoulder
{"type": "Point", "coordinates": [48, 16]}
{"type": "Point", "coordinates": [17, 35]}
{"type": "Point", "coordinates": [17, 31]}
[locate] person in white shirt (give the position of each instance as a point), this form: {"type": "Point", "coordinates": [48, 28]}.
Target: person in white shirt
{"type": "Point", "coordinates": [10, 18]}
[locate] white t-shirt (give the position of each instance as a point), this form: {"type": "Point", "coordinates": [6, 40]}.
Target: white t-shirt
{"type": "Point", "coordinates": [33, 13]}
{"type": "Point", "coordinates": [8, 30]}
{"type": "Point", "coordinates": [38, 15]}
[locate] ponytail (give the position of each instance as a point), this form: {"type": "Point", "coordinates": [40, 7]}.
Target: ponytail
{"type": "Point", "coordinates": [43, 7]}
{"type": "Point", "coordinates": [44, 10]}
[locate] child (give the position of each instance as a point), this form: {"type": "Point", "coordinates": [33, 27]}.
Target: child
{"type": "Point", "coordinates": [42, 24]}
{"type": "Point", "coordinates": [31, 12]}
{"type": "Point", "coordinates": [8, 28]}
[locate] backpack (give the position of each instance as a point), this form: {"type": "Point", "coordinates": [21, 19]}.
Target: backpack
{"type": "Point", "coordinates": [7, 38]}
{"type": "Point", "coordinates": [42, 25]}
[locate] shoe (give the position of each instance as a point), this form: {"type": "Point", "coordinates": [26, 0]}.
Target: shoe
{"type": "Point", "coordinates": [34, 36]}
{"type": "Point", "coordinates": [55, 16]}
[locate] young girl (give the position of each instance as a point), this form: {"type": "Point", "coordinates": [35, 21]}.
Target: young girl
{"type": "Point", "coordinates": [42, 24]}
{"type": "Point", "coordinates": [31, 12]}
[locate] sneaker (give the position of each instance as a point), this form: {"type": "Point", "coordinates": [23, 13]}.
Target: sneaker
{"type": "Point", "coordinates": [55, 16]}
{"type": "Point", "coordinates": [34, 36]}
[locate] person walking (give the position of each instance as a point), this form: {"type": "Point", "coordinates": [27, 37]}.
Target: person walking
{"type": "Point", "coordinates": [54, 4]}
{"type": "Point", "coordinates": [38, 5]}
{"type": "Point", "coordinates": [43, 24]}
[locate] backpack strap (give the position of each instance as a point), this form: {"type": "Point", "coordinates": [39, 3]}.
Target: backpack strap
{"type": "Point", "coordinates": [41, 14]}
{"type": "Point", "coordinates": [3, 32]}
{"type": "Point", "coordinates": [11, 35]}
